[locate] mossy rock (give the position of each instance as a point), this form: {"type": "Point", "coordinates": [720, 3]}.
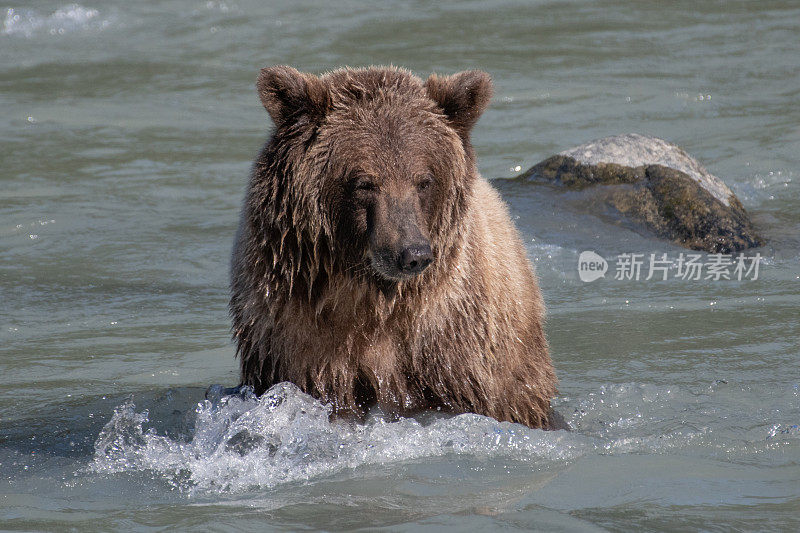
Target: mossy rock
{"type": "Point", "coordinates": [657, 186]}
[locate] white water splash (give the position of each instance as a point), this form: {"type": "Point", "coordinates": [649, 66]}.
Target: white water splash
{"type": "Point", "coordinates": [243, 443]}
{"type": "Point", "coordinates": [286, 435]}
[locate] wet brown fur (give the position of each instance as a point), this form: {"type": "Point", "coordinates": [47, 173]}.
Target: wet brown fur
{"type": "Point", "coordinates": [308, 307]}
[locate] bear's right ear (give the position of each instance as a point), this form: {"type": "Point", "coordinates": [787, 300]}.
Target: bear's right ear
{"type": "Point", "coordinates": [462, 97]}
{"type": "Point", "coordinates": [290, 96]}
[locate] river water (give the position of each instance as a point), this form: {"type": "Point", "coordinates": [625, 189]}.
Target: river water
{"type": "Point", "coordinates": [127, 132]}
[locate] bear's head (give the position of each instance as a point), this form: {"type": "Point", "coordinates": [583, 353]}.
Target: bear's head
{"type": "Point", "coordinates": [373, 165]}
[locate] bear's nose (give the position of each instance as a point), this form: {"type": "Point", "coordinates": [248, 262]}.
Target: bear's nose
{"type": "Point", "coordinates": [415, 258]}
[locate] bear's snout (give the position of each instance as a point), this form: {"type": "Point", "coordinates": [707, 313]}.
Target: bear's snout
{"type": "Point", "coordinates": [402, 261]}
{"type": "Point", "coordinates": [415, 258]}
{"type": "Point", "coordinates": [399, 247]}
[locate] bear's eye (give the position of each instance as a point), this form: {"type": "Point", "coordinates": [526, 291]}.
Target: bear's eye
{"type": "Point", "coordinates": [425, 183]}
{"type": "Point", "coordinates": [365, 185]}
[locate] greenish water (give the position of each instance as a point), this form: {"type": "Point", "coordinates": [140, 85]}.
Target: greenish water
{"type": "Point", "coordinates": [126, 136]}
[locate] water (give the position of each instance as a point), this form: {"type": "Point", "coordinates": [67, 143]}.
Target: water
{"type": "Point", "coordinates": [127, 133]}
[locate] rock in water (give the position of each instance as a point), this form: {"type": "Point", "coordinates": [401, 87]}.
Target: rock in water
{"type": "Point", "coordinates": [656, 185]}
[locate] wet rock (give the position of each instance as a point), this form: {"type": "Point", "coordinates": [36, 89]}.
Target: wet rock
{"type": "Point", "coordinates": [657, 186]}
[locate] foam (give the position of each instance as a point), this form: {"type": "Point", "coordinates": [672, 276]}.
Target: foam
{"type": "Point", "coordinates": [243, 443]}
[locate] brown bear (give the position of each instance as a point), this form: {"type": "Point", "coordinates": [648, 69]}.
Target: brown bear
{"type": "Point", "coordinates": [373, 264]}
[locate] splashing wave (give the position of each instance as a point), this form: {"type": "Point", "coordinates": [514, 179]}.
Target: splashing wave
{"type": "Point", "coordinates": [241, 443]}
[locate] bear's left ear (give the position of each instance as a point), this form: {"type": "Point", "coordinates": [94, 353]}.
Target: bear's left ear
{"type": "Point", "coordinates": [291, 96]}
{"type": "Point", "coordinates": [462, 96]}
